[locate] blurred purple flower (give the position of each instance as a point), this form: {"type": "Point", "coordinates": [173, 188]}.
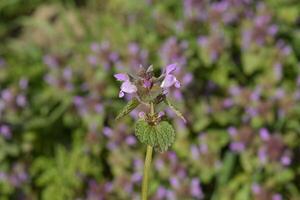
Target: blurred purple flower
{"type": "Point", "coordinates": [203, 148]}
{"type": "Point", "coordinates": [237, 146]}
{"type": "Point", "coordinates": [262, 155]}
{"type": "Point", "coordinates": [227, 103]}
{"type": "Point", "coordinates": [173, 51]}
{"type": "Point", "coordinates": [130, 140]}
{"type": "Point", "coordinates": [161, 193]}
{"type": "Point", "coordinates": [171, 195]}
{"type": "Point", "coordinates": [195, 9]}
{"type": "Point", "coordinates": [2, 62]}
{"type": "Point", "coordinates": [264, 134]}
{"type": "Point", "coordinates": [256, 189]}
{"type": "Point", "coordinates": [285, 160]}
{"type": "Point", "coordinates": [7, 95]}
{"type": "Point", "coordinates": [3, 176]}
{"type": "Point", "coordinates": [95, 47]}
{"type": "Point", "coordinates": [195, 152]}
{"type": "Point", "coordinates": [21, 100]}
{"type": "Point", "coordinates": [108, 132]}
{"type": "Point", "coordinates": [5, 131]}
{"type": "Point", "coordinates": [174, 182]}
{"type": "Point", "coordinates": [277, 197]}
{"type": "Point", "coordinates": [232, 131]}
{"type": "Point", "coordinates": [23, 83]}
{"type": "Point", "coordinates": [67, 73]}
{"type": "Point", "coordinates": [50, 61]}
{"type": "Point", "coordinates": [92, 60]}
{"type": "Point", "coordinates": [137, 56]}
{"type": "Point", "coordinates": [195, 189]}
{"type": "Point", "coordinates": [136, 177]}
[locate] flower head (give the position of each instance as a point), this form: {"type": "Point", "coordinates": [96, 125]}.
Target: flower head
{"type": "Point", "coordinates": [146, 88]}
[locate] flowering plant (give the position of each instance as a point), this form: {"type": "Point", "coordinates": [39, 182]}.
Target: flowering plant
{"type": "Point", "coordinates": [151, 129]}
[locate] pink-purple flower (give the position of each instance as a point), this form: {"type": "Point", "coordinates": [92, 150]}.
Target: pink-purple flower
{"type": "Point", "coordinates": [127, 86]}
{"type": "Point", "coordinates": [170, 79]}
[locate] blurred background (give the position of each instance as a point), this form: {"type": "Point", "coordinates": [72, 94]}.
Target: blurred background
{"type": "Point", "coordinates": [240, 74]}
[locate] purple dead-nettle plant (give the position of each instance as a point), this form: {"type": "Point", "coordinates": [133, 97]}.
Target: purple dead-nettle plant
{"type": "Point", "coordinates": [151, 128]}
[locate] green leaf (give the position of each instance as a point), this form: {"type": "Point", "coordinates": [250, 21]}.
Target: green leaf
{"type": "Point", "coordinates": [128, 108]}
{"type": "Point", "coordinates": [160, 136]}
{"type": "Point", "coordinates": [177, 112]}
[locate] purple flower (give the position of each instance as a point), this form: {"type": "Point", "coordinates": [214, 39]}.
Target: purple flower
{"type": "Point", "coordinates": [3, 176]}
{"type": "Point", "coordinates": [95, 47]}
{"type": "Point", "coordinates": [237, 146]}
{"type": "Point", "coordinates": [67, 73]}
{"type": "Point", "coordinates": [203, 148]}
{"type": "Point", "coordinates": [127, 86]}
{"type": "Point", "coordinates": [99, 108]}
{"type": "Point", "coordinates": [170, 79]}
{"type": "Point", "coordinates": [147, 83]}
{"type": "Point", "coordinates": [161, 114]}
{"type": "Point", "coordinates": [23, 83]}
{"type": "Point", "coordinates": [108, 132]}
{"type": "Point", "coordinates": [7, 95]}
{"type": "Point", "coordinates": [193, 9]}
{"type": "Point", "coordinates": [173, 51]}
{"type": "Point", "coordinates": [195, 152]}
{"type": "Point", "coordinates": [262, 154]}
{"type": "Point", "coordinates": [171, 195]}
{"type": "Point", "coordinates": [50, 61]}
{"type": "Point", "coordinates": [21, 100]}
{"type": "Point", "coordinates": [5, 131]}
{"type": "Point", "coordinates": [142, 115]}
{"type": "Point", "coordinates": [256, 189]}
{"type": "Point", "coordinates": [92, 60]}
{"type": "Point", "coordinates": [285, 160]}
{"type": "Point", "coordinates": [264, 134]}
{"type": "Point", "coordinates": [2, 62]}
{"type": "Point", "coordinates": [161, 192]}
{"type": "Point", "coordinates": [136, 177]}
{"type": "Point", "coordinates": [277, 197]}
{"type": "Point", "coordinates": [130, 140]}
{"type": "Point", "coordinates": [174, 182]}
{"type": "Point", "coordinates": [232, 131]}
{"type": "Point", "coordinates": [227, 103]}
{"type": "Point", "coordinates": [195, 188]}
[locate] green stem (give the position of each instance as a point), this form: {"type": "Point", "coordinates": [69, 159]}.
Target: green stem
{"type": "Point", "coordinates": [147, 164]}
{"type": "Point", "coordinates": [146, 172]}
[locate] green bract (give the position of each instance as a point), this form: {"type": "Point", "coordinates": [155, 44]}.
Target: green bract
{"type": "Point", "coordinates": [177, 112]}
{"type": "Point", "coordinates": [131, 105]}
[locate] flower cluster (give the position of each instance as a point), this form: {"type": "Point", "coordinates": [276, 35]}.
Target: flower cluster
{"type": "Point", "coordinates": [145, 85]}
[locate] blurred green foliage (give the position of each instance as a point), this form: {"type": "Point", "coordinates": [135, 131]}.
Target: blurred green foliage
{"type": "Point", "coordinates": [60, 149]}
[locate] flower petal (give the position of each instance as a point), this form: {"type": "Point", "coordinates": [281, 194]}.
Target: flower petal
{"type": "Point", "coordinates": [121, 94]}
{"type": "Point", "coordinates": [121, 77]}
{"type": "Point", "coordinates": [177, 83]}
{"type": "Point", "coordinates": [168, 81]}
{"type": "Point", "coordinates": [128, 87]}
{"type": "Point", "coordinates": [147, 83]}
{"type": "Point", "coordinates": [171, 68]}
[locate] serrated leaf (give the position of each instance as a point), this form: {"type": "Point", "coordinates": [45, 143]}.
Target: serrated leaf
{"type": "Point", "coordinates": [177, 112]}
{"type": "Point", "coordinates": [160, 136]}
{"type": "Point", "coordinates": [128, 108]}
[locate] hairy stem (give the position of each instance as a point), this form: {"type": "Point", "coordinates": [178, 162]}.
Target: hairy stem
{"type": "Point", "coordinates": [146, 172]}
{"type": "Point", "coordinates": [147, 164]}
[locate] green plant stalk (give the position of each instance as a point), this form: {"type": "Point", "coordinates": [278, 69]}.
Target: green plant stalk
{"type": "Point", "coordinates": [147, 164]}
{"type": "Point", "coordinates": [146, 172]}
